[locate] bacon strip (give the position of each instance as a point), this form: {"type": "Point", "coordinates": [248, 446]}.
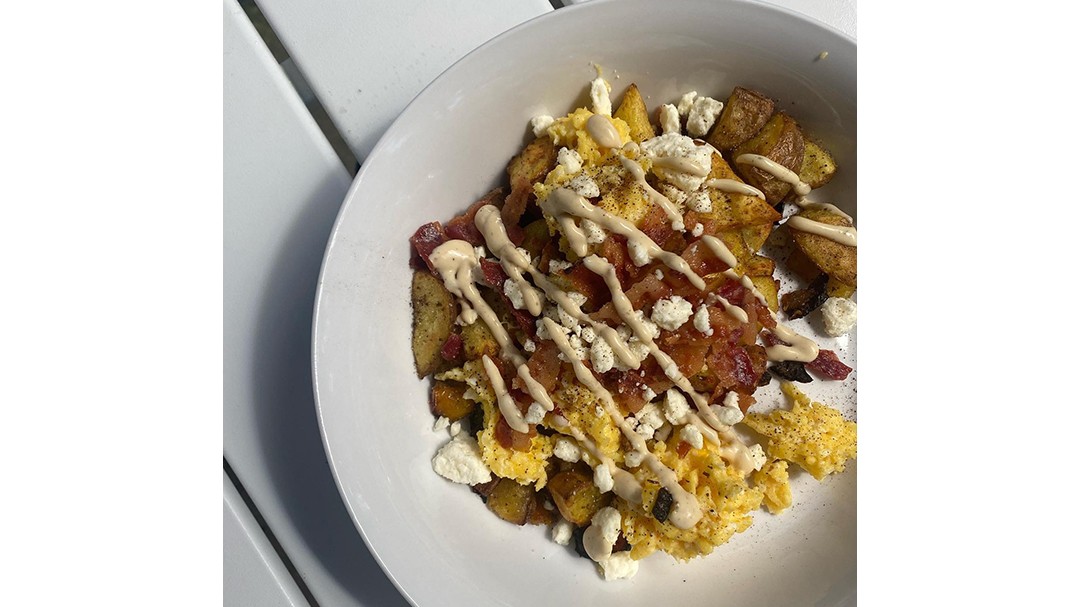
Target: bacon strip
{"type": "Point", "coordinates": [426, 239]}
{"type": "Point", "coordinates": [827, 365]}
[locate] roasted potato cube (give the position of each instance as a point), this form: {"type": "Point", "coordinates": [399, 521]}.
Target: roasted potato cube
{"type": "Point", "coordinates": [632, 110]}
{"type": "Point", "coordinates": [835, 259]}
{"type": "Point", "coordinates": [433, 317]}
{"type": "Point", "coordinates": [818, 166]}
{"type": "Point", "coordinates": [781, 141]}
{"type": "Point", "coordinates": [732, 209]}
{"type": "Point", "coordinates": [533, 163]}
{"type": "Point", "coordinates": [512, 501]}
{"type": "Point", "coordinates": [744, 113]}
{"type": "Point", "coordinates": [448, 400]}
{"type": "Point", "coordinates": [479, 341]}
{"type": "Point", "coordinates": [768, 287]}
{"type": "Point", "coordinates": [576, 497]}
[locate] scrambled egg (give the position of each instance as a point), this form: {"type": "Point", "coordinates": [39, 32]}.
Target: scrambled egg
{"type": "Point", "coordinates": [812, 435]}
{"type": "Point", "coordinates": [773, 481]}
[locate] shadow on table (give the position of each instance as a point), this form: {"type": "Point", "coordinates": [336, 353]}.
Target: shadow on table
{"type": "Point", "coordinates": [286, 412]}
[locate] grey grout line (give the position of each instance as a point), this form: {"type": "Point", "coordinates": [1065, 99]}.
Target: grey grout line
{"type": "Point", "coordinates": [270, 535]}
{"type": "Point", "coordinates": [301, 85]}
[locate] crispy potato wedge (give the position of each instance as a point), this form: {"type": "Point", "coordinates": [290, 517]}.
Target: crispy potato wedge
{"type": "Point", "coordinates": [633, 111]}
{"type": "Point", "coordinates": [433, 318]}
{"type": "Point", "coordinates": [801, 265]}
{"type": "Point", "coordinates": [732, 209]}
{"type": "Point", "coordinates": [759, 265]}
{"type": "Point", "coordinates": [755, 236]}
{"type": "Point", "coordinates": [479, 341]}
{"type": "Point", "coordinates": [744, 113]}
{"type": "Point", "coordinates": [781, 141]}
{"type": "Point", "coordinates": [511, 501]}
{"type": "Point", "coordinates": [835, 288]}
{"type": "Point", "coordinates": [835, 259]}
{"type": "Point", "coordinates": [448, 400]}
{"type": "Point", "coordinates": [769, 288]}
{"type": "Point", "coordinates": [576, 497]}
{"type": "Point", "coordinates": [818, 166]}
{"type": "Point", "coordinates": [533, 163]}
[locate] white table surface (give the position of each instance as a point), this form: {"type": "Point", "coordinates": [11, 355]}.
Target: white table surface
{"type": "Point", "coordinates": [283, 186]}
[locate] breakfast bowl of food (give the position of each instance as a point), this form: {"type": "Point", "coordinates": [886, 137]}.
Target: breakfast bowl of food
{"type": "Point", "coordinates": [585, 328]}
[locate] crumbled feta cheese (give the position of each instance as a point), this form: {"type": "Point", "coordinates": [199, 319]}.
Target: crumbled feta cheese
{"type": "Point", "coordinates": [602, 356]}
{"type": "Point", "coordinates": [669, 119]}
{"type": "Point", "coordinates": [729, 416]}
{"type": "Point", "coordinates": [701, 321]}
{"type": "Point", "coordinates": [672, 313]}
{"type": "Point", "coordinates": [618, 566]}
{"type": "Point", "coordinates": [634, 458]}
{"type": "Point", "coordinates": [588, 335]}
{"type": "Point", "coordinates": [649, 420]}
{"type": "Point", "coordinates": [558, 265]}
{"type": "Point", "coordinates": [650, 327]}
{"type": "Point", "coordinates": [480, 252]}
{"type": "Point", "coordinates": [576, 297]}
{"type": "Point", "coordinates": [562, 531]}
{"type": "Point", "coordinates": [675, 406]}
{"type": "Point", "coordinates": [757, 456]}
{"type": "Point", "coordinates": [602, 478]}
{"type": "Point", "coordinates": [540, 125]}
{"type": "Point", "coordinates": [578, 346]}
{"type": "Point", "coordinates": [693, 436]}
{"type": "Point", "coordinates": [673, 145]}
{"type": "Point", "coordinates": [567, 450]}
{"type": "Point", "coordinates": [525, 253]}
{"type": "Point", "coordinates": [594, 234]}
{"type": "Point", "coordinates": [638, 254]}
{"type": "Point", "coordinates": [600, 94]}
{"type": "Point", "coordinates": [584, 185]}
{"type": "Point", "coordinates": [700, 202]}
{"type": "Point", "coordinates": [601, 535]}
{"type": "Point", "coordinates": [731, 399]}
{"type": "Point", "coordinates": [686, 102]}
{"type": "Point", "coordinates": [839, 315]}
{"type": "Point", "coordinates": [698, 230]}
{"type": "Point", "coordinates": [459, 461]}
{"type": "Point", "coordinates": [535, 414]}
{"type": "Point", "coordinates": [513, 292]}
{"type": "Point", "coordinates": [648, 394]}
{"type": "Point", "coordinates": [703, 114]}
{"type": "Point", "coordinates": [455, 428]}
{"type": "Point", "coordinates": [570, 161]}
{"type": "Point", "coordinates": [441, 424]}
{"type": "Point", "coordinates": [658, 273]}
{"type": "Point", "coordinates": [529, 345]}
{"type": "Point", "coordinates": [673, 194]}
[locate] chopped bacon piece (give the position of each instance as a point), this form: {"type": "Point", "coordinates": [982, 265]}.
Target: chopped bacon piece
{"type": "Point", "coordinates": [689, 357]}
{"type": "Point", "coordinates": [627, 387]}
{"type": "Point", "coordinates": [590, 285]}
{"type": "Point", "coordinates": [614, 250]}
{"type": "Point", "coordinates": [656, 224]}
{"type": "Point", "coordinates": [734, 368]}
{"type": "Point", "coordinates": [682, 448]}
{"type": "Point", "coordinates": [453, 348]}
{"type": "Point", "coordinates": [463, 227]}
{"type": "Point", "coordinates": [493, 273]}
{"type": "Point", "coordinates": [512, 439]}
{"type": "Point", "coordinates": [495, 277]}
{"type": "Point", "coordinates": [702, 260]}
{"type": "Point", "coordinates": [829, 366]}
{"type": "Point", "coordinates": [733, 292]}
{"type": "Point", "coordinates": [426, 239]}
{"type": "Point", "coordinates": [544, 365]}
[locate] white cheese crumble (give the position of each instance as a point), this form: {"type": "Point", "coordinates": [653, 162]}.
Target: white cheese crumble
{"type": "Point", "coordinates": [634, 458]}
{"type": "Point", "coordinates": [757, 456]}
{"type": "Point", "coordinates": [513, 292]}
{"type": "Point", "coordinates": [700, 202]}
{"type": "Point", "coordinates": [459, 461]}
{"type": "Point", "coordinates": [525, 253]}
{"type": "Point", "coordinates": [584, 185]}
{"type": "Point", "coordinates": [540, 124]}
{"type": "Point", "coordinates": [601, 356]}
{"type": "Point", "coordinates": [693, 436]}
{"type": "Point", "coordinates": [702, 116]}
{"type": "Point", "coordinates": [673, 193]}
{"type": "Point", "coordinates": [731, 399]}
{"type": "Point", "coordinates": [698, 230]}
{"type": "Point", "coordinates": [480, 252]}
{"type": "Point", "coordinates": [441, 424]}
{"type": "Point", "coordinates": [602, 478]}
{"type": "Point", "coordinates": [701, 321]}
{"type": "Point", "coordinates": [638, 254]}
{"type": "Point", "coordinates": [676, 406]}
{"type": "Point", "coordinates": [672, 313]}
{"type": "Point", "coordinates": [839, 315]}
{"type": "Point", "coordinates": [562, 532]}
{"type": "Point", "coordinates": [650, 327]}
{"type": "Point", "coordinates": [570, 161]}
{"type": "Point", "coordinates": [594, 234]}
{"type": "Point", "coordinates": [729, 416]}
{"type": "Point", "coordinates": [649, 420]}
{"type": "Point", "coordinates": [600, 94]}
{"type": "Point", "coordinates": [588, 335]}
{"type": "Point", "coordinates": [455, 428]}
{"type": "Point", "coordinates": [567, 450]}
{"type": "Point", "coordinates": [686, 102]}
{"type": "Point", "coordinates": [535, 414]}
{"type": "Point", "coordinates": [618, 566]}
{"type": "Point", "coordinates": [673, 145]}
{"type": "Point", "coordinates": [529, 345]}
{"type": "Point", "coordinates": [669, 119]}
{"type": "Point", "coordinates": [648, 393]}
{"type": "Point", "coordinates": [658, 273]}
{"type": "Point", "coordinates": [600, 537]}
{"type": "Point", "coordinates": [558, 265]}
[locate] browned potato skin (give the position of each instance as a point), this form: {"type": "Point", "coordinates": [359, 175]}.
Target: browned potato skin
{"type": "Point", "coordinates": [433, 318]}
{"type": "Point", "coordinates": [632, 110]}
{"type": "Point", "coordinates": [525, 169]}
{"type": "Point", "coordinates": [835, 259]}
{"type": "Point", "coordinates": [511, 501]}
{"type": "Point", "coordinates": [448, 400]}
{"type": "Point", "coordinates": [744, 113]}
{"type": "Point", "coordinates": [576, 497]}
{"type": "Point", "coordinates": [479, 341]}
{"type": "Point", "coordinates": [781, 141]}
{"type": "Point", "coordinates": [818, 166]}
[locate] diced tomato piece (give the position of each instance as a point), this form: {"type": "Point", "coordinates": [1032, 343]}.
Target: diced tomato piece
{"type": "Point", "coordinates": [426, 239]}
{"type": "Point", "coordinates": [828, 365]}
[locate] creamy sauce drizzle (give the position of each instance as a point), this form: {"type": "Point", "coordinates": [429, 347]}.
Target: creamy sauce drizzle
{"type": "Point", "coordinates": [734, 187]}
{"type": "Point", "coordinates": [682, 165]}
{"type": "Point", "coordinates": [564, 204]}
{"type": "Point", "coordinates": [841, 234]}
{"type": "Point", "coordinates": [489, 221]}
{"type": "Point", "coordinates": [720, 249]}
{"type": "Point", "coordinates": [603, 131]}
{"type": "Point", "coordinates": [777, 170]}
{"type": "Point", "coordinates": [655, 197]}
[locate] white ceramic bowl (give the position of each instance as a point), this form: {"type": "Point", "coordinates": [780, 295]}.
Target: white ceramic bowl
{"type": "Point", "coordinates": [436, 540]}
